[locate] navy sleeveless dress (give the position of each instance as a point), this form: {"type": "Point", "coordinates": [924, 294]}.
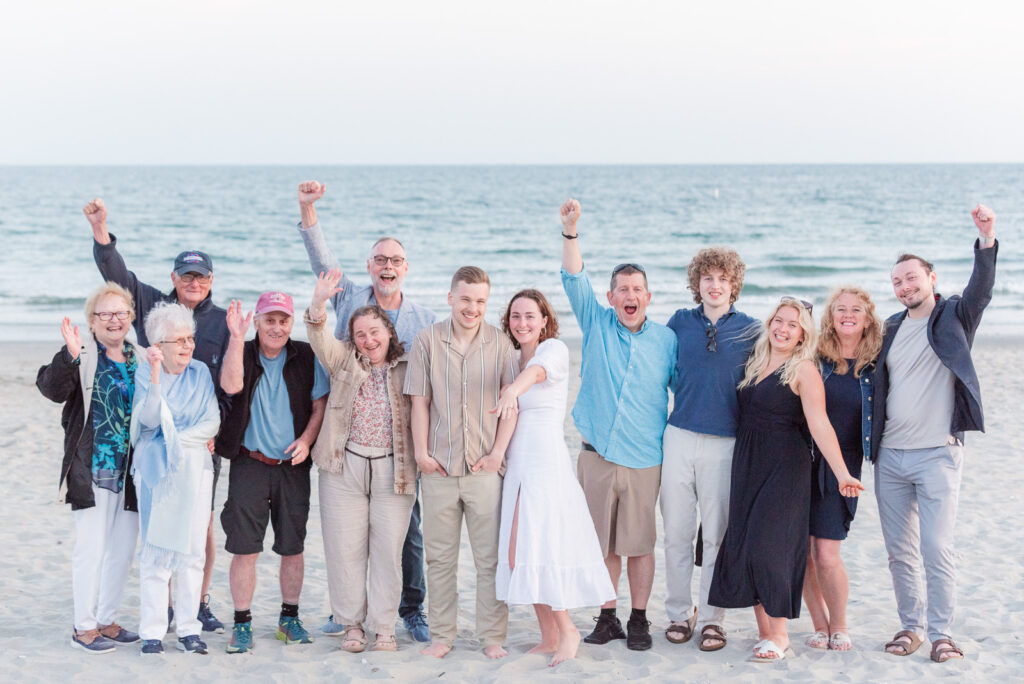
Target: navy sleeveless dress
{"type": "Point", "coordinates": [764, 553]}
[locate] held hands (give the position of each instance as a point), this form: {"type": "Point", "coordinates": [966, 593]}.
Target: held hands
{"type": "Point", "coordinates": [326, 287]}
{"type": "Point", "coordinates": [570, 213]}
{"type": "Point", "coordinates": [985, 220]}
{"type": "Point", "coordinates": [490, 463]}
{"type": "Point", "coordinates": [238, 325]}
{"type": "Point", "coordinates": [210, 445]}
{"type": "Point", "coordinates": [428, 466]}
{"type": "Point", "coordinates": [508, 404]}
{"type": "Point", "coordinates": [298, 450]}
{"type": "Point", "coordinates": [310, 192]}
{"type": "Point", "coordinates": [72, 338]}
{"type": "Point", "coordinates": [155, 358]}
{"type": "Point", "coordinates": [850, 486]}
{"type": "Point", "coordinates": [96, 212]}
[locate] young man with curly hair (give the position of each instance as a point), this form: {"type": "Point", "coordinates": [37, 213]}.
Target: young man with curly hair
{"type": "Point", "coordinates": [714, 341]}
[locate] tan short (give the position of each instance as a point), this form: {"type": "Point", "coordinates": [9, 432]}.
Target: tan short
{"type": "Point", "coordinates": [622, 502]}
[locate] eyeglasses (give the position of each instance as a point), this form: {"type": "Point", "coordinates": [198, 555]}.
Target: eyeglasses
{"type": "Point", "coordinates": [712, 334]}
{"type": "Point", "coordinates": [107, 315]}
{"type": "Point", "coordinates": [181, 341]}
{"type": "Point", "coordinates": [382, 260]}
{"type": "Point", "coordinates": [187, 278]}
{"type": "Point", "coordinates": [622, 267]}
{"type": "Point", "coordinates": [802, 302]}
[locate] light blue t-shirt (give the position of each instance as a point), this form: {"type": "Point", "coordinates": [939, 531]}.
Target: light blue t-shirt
{"type": "Point", "coordinates": [622, 406]}
{"type": "Point", "coordinates": [271, 424]}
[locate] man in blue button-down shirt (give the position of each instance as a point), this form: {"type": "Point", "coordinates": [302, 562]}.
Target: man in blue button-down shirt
{"type": "Point", "coordinates": [620, 411]}
{"type": "Point", "coordinates": [387, 267]}
{"type": "Point", "coordinates": [714, 342]}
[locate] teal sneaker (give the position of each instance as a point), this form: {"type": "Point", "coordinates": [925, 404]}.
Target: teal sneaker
{"type": "Point", "coordinates": [332, 628]}
{"type": "Point", "coordinates": [291, 631]}
{"type": "Point", "coordinates": [241, 638]}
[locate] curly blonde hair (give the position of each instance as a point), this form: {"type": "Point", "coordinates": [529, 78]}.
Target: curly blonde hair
{"type": "Point", "coordinates": [725, 258]}
{"type": "Point", "coordinates": [806, 349]}
{"type": "Point", "coordinates": [870, 342]}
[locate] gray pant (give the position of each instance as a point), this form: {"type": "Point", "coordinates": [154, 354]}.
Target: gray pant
{"type": "Point", "coordinates": [917, 492]}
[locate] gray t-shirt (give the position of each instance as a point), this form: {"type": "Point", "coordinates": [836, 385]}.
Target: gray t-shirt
{"type": "Point", "coordinates": [919, 406]}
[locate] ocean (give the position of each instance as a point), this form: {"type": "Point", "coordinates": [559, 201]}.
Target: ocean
{"type": "Point", "coordinates": [800, 229]}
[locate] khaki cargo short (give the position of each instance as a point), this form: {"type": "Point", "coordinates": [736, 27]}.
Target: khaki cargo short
{"type": "Point", "coordinates": [622, 502]}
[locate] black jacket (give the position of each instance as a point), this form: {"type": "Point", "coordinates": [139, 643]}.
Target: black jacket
{"type": "Point", "coordinates": [951, 329]}
{"type": "Point", "coordinates": [60, 381]}
{"type": "Point", "coordinates": [299, 376]}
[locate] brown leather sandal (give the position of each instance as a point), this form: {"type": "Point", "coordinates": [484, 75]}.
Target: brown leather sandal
{"type": "Point", "coordinates": [908, 648]}
{"type": "Point", "coordinates": [714, 634]}
{"type": "Point", "coordinates": [681, 633]}
{"type": "Point", "coordinates": [951, 651]}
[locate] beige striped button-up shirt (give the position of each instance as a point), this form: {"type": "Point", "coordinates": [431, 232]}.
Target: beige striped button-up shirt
{"type": "Point", "coordinates": [462, 388]}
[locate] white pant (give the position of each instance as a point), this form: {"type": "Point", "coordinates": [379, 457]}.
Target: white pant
{"type": "Point", "coordinates": [189, 580]}
{"type": "Point", "coordinates": [105, 537]}
{"type": "Point", "coordinates": [695, 474]}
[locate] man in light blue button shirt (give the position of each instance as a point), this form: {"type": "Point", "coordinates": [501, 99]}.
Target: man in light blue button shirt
{"type": "Point", "coordinates": [387, 267]}
{"type": "Point", "coordinates": [621, 412]}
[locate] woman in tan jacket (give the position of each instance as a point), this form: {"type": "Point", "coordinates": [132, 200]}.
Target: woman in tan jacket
{"type": "Point", "coordinates": [367, 469]}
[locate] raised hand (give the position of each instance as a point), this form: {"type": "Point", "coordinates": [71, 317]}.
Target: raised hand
{"type": "Point", "coordinates": [156, 359]}
{"type": "Point", "coordinates": [570, 213]}
{"type": "Point", "coordinates": [984, 219]}
{"type": "Point", "coordinates": [96, 212]}
{"type": "Point", "coordinates": [72, 338]}
{"type": "Point", "coordinates": [298, 450]}
{"type": "Point", "coordinates": [326, 287]}
{"type": "Point", "coordinates": [850, 486]}
{"type": "Point", "coordinates": [238, 325]}
{"type": "Point", "coordinates": [311, 191]}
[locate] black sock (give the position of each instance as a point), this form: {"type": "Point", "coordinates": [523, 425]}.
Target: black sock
{"type": "Point", "coordinates": [289, 610]}
{"type": "Point", "coordinates": [608, 612]}
{"type": "Point", "coordinates": [638, 614]}
{"type": "Point", "coordinates": [243, 616]}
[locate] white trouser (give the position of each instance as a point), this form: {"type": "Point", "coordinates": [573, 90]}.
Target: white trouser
{"type": "Point", "coordinates": [105, 537]}
{"type": "Point", "coordinates": [188, 581]}
{"type": "Point", "coordinates": [695, 475]}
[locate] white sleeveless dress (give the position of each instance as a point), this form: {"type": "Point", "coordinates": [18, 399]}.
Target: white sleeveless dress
{"type": "Point", "coordinates": [558, 557]}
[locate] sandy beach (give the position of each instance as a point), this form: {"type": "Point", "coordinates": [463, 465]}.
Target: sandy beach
{"type": "Point", "coordinates": [38, 537]}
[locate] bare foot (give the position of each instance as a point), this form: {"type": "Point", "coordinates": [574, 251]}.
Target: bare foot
{"type": "Point", "coordinates": [567, 648]}
{"type": "Point", "coordinates": [495, 651]}
{"type": "Point", "coordinates": [545, 647]}
{"type": "Point", "coordinates": [436, 650]}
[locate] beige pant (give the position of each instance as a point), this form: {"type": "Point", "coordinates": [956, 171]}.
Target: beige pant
{"type": "Point", "coordinates": [444, 501]}
{"type": "Point", "coordinates": [364, 523]}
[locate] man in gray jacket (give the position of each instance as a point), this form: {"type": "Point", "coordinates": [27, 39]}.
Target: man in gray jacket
{"type": "Point", "coordinates": [387, 267]}
{"type": "Point", "coordinates": [928, 396]}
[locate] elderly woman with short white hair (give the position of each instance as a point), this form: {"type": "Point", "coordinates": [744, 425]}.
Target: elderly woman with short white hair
{"type": "Point", "coordinates": [176, 414]}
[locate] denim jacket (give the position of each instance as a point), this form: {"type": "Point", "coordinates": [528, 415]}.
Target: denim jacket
{"type": "Point", "coordinates": [867, 376]}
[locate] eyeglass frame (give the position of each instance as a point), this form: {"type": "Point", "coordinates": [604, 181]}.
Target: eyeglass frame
{"type": "Point", "coordinates": [187, 278]}
{"type": "Point", "coordinates": [395, 261]}
{"type": "Point", "coordinates": [181, 341]}
{"type": "Point", "coordinates": [107, 315]}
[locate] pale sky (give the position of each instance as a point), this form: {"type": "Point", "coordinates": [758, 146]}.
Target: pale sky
{"type": "Point", "coordinates": [556, 81]}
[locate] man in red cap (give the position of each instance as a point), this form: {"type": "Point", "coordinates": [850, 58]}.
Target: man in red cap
{"type": "Point", "coordinates": [279, 396]}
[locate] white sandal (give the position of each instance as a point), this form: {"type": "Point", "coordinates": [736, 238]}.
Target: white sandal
{"type": "Point", "coordinates": [818, 640]}
{"type": "Point", "coordinates": [768, 646]}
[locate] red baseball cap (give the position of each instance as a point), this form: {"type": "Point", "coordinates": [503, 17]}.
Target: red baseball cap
{"type": "Point", "coordinates": [275, 301]}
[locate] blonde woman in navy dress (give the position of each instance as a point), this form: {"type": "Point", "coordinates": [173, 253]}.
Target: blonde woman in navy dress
{"type": "Point", "coordinates": [851, 337]}
{"type": "Point", "coordinates": [763, 556]}
{"type": "Point", "coordinates": [548, 552]}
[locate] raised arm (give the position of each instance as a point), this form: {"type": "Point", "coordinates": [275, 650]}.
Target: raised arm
{"type": "Point", "coordinates": [572, 260]}
{"type": "Point", "coordinates": [978, 293]}
{"type": "Point", "coordinates": [59, 380]}
{"type": "Point", "coordinates": [320, 257]}
{"type": "Point", "coordinates": [232, 371]}
{"type": "Point", "coordinates": [328, 349]}
{"type": "Point", "coordinates": [812, 399]}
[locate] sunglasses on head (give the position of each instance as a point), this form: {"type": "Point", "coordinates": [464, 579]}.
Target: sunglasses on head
{"type": "Point", "coordinates": [801, 302]}
{"type": "Point", "coordinates": [622, 267]}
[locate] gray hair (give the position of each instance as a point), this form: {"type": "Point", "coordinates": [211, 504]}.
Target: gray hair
{"type": "Point", "coordinates": [166, 318]}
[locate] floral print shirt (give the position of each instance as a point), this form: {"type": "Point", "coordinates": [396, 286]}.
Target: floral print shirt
{"type": "Point", "coordinates": [112, 393]}
{"type": "Point", "coordinates": [371, 414]}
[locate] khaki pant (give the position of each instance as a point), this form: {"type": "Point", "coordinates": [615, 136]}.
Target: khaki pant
{"type": "Point", "coordinates": [364, 526]}
{"type": "Point", "coordinates": [444, 501]}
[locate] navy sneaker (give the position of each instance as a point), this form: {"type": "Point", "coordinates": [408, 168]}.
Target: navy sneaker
{"type": "Point", "coordinates": [192, 644]}
{"type": "Point", "coordinates": [291, 631]}
{"type": "Point", "coordinates": [417, 626]}
{"type": "Point", "coordinates": [332, 628]}
{"type": "Point", "coordinates": [241, 638]}
{"type": "Point", "coordinates": [210, 623]}
{"type": "Point", "coordinates": [91, 641]}
{"type": "Point", "coordinates": [150, 646]}
{"type": "Point", "coordinates": [116, 632]}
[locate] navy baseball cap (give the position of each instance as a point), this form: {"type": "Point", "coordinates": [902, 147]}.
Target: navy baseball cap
{"type": "Point", "coordinates": [193, 262]}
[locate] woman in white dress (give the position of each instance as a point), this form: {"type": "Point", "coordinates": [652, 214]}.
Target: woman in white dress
{"type": "Point", "coordinates": [548, 553]}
